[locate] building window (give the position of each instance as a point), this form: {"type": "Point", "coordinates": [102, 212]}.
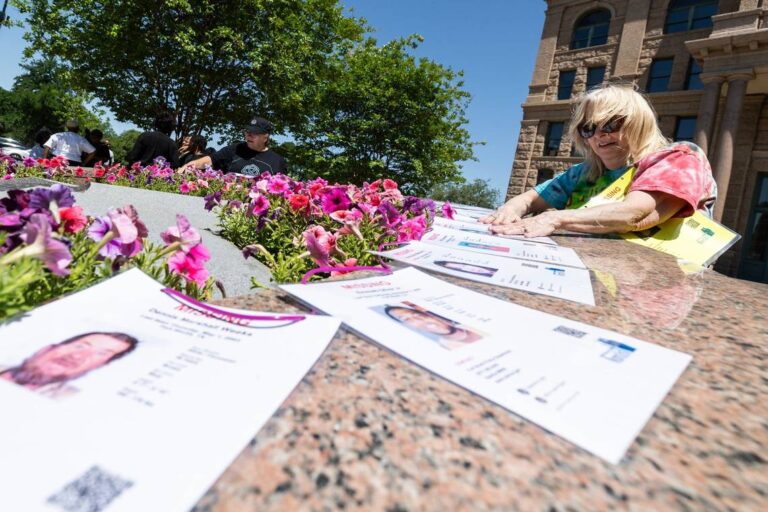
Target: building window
{"type": "Point", "coordinates": [684, 15]}
{"type": "Point", "coordinates": [595, 77]}
{"type": "Point", "coordinates": [658, 77]}
{"type": "Point", "coordinates": [565, 85]}
{"type": "Point", "coordinates": [554, 136]}
{"type": "Point", "coordinates": [591, 29]}
{"type": "Point", "coordinates": [543, 175]}
{"type": "Point", "coordinates": [693, 76]}
{"type": "Point", "coordinates": [685, 129]}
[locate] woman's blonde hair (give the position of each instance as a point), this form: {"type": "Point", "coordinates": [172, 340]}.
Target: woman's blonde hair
{"type": "Point", "coordinates": [640, 130]}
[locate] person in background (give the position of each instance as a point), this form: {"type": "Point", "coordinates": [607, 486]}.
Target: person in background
{"type": "Point", "coordinates": [70, 145]}
{"type": "Point", "coordinates": [103, 154]}
{"type": "Point", "coordinates": [152, 144]}
{"type": "Point", "coordinates": [41, 137]}
{"type": "Point", "coordinates": [195, 149]}
{"type": "Point", "coordinates": [251, 157]}
{"type": "Point", "coordinates": [615, 128]}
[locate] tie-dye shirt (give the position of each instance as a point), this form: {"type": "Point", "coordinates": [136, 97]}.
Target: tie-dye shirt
{"type": "Point", "coordinates": [680, 169]}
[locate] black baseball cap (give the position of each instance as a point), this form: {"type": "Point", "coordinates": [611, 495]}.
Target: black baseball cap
{"type": "Point", "coordinates": [259, 125]}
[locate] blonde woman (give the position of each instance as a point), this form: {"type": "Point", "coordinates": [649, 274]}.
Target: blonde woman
{"type": "Point", "coordinates": [615, 128]}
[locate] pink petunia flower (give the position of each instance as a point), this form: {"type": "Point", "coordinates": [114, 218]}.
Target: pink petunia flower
{"type": "Point", "coordinates": [320, 244]}
{"type": "Point", "coordinates": [259, 205]}
{"type": "Point", "coordinates": [182, 232]}
{"type": "Point", "coordinates": [448, 210]}
{"type": "Point", "coordinates": [191, 264]}
{"type": "Point", "coordinates": [412, 229]}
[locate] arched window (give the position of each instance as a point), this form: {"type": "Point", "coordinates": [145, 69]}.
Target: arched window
{"type": "Point", "coordinates": [684, 15]}
{"type": "Point", "coordinates": [591, 29]}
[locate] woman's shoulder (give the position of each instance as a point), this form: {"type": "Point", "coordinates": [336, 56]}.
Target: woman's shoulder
{"type": "Point", "coordinates": [671, 152]}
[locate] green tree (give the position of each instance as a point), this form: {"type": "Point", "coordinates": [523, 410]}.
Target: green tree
{"type": "Point", "coordinates": [42, 97]}
{"type": "Point", "coordinates": [386, 114]}
{"type": "Point", "coordinates": [123, 143]}
{"type": "Point", "coordinates": [476, 193]}
{"type": "Point", "coordinates": [215, 63]}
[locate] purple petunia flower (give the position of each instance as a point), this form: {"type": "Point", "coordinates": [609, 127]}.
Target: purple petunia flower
{"type": "Point", "coordinates": [212, 200]}
{"type": "Point", "coordinates": [390, 217]}
{"type": "Point", "coordinates": [40, 244]}
{"type": "Point", "coordinates": [335, 199]}
{"type": "Point", "coordinates": [58, 196]}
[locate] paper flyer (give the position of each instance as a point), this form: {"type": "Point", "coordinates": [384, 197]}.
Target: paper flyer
{"type": "Point", "coordinates": [126, 397]}
{"type": "Point", "coordinates": [593, 387]}
{"type": "Point", "coordinates": [507, 247]}
{"type": "Point", "coordinates": [551, 279]}
{"type": "Point", "coordinates": [696, 239]}
{"type": "Point", "coordinates": [477, 227]}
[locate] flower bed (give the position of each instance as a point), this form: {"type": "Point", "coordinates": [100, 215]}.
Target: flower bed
{"type": "Point", "coordinates": [48, 248]}
{"type": "Point", "coordinates": [293, 227]}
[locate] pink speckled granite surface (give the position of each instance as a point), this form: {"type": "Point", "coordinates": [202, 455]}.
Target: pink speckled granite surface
{"type": "Point", "coordinates": [366, 430]}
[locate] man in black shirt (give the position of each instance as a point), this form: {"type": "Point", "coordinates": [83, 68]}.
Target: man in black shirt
{"type": "Point", "coordinates": [151, 145]}
{"type": "Point", "coordinates": [251, 157]}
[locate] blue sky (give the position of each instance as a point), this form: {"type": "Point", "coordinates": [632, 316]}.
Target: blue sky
{"type": "Point", "coordinates": [493, 41]}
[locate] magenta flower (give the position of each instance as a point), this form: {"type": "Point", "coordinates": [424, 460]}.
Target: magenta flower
{"type": "Point", "coordinates": [182, 232]}
{"type": "Point", "coordinates": [335, 199]}
{"type": "Point", "coordinates": [191, 264]}
{"type": "Point", "coordinates": [278, 185]}
{"type": "Point", "coordinates": [260, 204]}
{"type": "Point", "coordinates": [412, 229]}
{"type": "Point", "coordinates": [40, 244]}
{"type": "Point", "coordinates": [448, 210]}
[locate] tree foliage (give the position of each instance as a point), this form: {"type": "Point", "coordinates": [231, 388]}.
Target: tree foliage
{"type": "Point", "coordinates": [386, 114]}
{"type": "Point", "coordinates": [42, 97]}
{"type": "Point", "coordinates": [476, 193]}
{"type": "Point", "coordinates": [123, 143]}
{"type": "Point", "coordinates": [215, 63]}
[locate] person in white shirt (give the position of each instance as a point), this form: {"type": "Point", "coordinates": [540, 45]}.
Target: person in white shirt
{"type": "Point", "coordinates": [70, 145]}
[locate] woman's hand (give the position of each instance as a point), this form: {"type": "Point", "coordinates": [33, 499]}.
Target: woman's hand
{"type": "Point", "coordinates": [503, 215]}
{"type": "Point", "coordinates": [543, 224]}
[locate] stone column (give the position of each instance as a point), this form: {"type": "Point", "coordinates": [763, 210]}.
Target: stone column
{"type": "Point", "coordinates": [737, 88]}
{"type": "Point", "coordinates": [710, 100]}
{"type": "Point", "coordinates": [631, 42]}
{"type": "Point", "coordinates": [547, 47]}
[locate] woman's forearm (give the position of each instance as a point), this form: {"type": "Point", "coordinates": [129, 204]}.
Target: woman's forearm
{"type": "Point", "coordinates": [639, 211]}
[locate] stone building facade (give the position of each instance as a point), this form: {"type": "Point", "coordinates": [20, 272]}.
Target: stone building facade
{"type": "Point", "coordinates": [704, 67]}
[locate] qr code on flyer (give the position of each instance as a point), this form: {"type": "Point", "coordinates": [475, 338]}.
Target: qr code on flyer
{"type": "Point", "coordinates": [92, 492]}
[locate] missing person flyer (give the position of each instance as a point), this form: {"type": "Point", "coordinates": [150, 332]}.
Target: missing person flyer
{"type": "Point", "coordinates": [478, 227]}
{"type": "Point", "coordinates": [507, 247]}
{"type": "Point", "coordinates": [544, 278]}
{"type": "Point", "coordinates": [128, 396]}
{"type": "Point", "coordinates": [591, 386]}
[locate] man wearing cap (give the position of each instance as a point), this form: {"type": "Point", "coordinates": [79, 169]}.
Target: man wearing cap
{"type": "Point", "coordinates": [70, 145]}
{"type": "Point", "coordinates": [251, 157]}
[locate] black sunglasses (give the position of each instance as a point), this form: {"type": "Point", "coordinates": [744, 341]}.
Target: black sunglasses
{"type": "Point", "coordinates": [614, 124]}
